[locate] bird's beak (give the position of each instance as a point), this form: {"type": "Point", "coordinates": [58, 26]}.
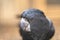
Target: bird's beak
{"type": "Point", "coordinates": [25, 25]}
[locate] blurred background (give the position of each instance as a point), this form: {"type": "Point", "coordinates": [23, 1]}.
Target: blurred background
{"type": "Point", "coordinates": [9, 9]}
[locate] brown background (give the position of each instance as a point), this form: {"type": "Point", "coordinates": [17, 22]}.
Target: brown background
{"type": "Point", "coordinates": [9, 9]}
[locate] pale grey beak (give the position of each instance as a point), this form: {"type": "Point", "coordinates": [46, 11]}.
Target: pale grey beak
{"type": "Point", "coordinates": [25, 25]}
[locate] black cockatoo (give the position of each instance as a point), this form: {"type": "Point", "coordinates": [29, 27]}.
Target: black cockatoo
{"type": "Point", "coordinates": [34, 25]}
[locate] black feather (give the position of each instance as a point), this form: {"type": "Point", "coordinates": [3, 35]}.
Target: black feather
{"type": "Point", "coordinates": [40, 29]}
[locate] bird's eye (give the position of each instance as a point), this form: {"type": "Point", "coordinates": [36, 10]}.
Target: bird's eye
{"type": "Point", "coordinates": [24, 24]}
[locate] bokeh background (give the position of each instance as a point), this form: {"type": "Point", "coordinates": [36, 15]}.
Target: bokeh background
{"type": "Point", "coordinates": [10, 9]}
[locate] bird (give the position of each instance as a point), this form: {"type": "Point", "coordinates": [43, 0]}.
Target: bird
{"type": "Point", "coordinates": [35, 25]}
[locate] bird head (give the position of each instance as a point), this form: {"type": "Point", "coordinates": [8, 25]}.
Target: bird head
{"type": "Point", "coordinates": [35, 22]}
{"type": "Point", "coordinates": [30, 16]}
